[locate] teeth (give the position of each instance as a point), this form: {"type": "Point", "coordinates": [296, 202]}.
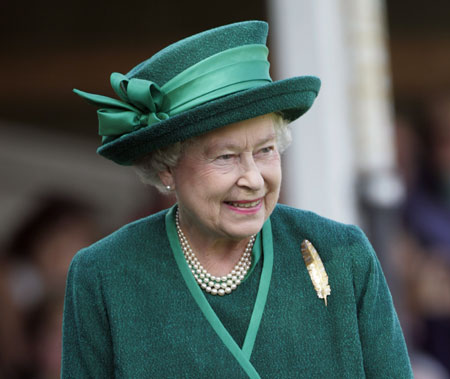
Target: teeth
{"type": "Point", "coordinates": [246, 205]}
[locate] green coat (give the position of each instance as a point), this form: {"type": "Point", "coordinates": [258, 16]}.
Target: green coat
{"type": "Point", "coordinates": [132, 309]}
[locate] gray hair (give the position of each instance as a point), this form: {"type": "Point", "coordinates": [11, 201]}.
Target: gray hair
{"type": "Point", "coordinates": [149, 166]}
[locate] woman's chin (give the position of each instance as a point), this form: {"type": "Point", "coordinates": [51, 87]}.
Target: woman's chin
{"type": "Point", "coordinates": [242, 230]}
{"type": "Point", "coordinates": [242, 222]}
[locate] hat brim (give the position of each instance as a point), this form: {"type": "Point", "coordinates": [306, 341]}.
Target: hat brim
{"type": "Point", "coordinates": [293, 97]}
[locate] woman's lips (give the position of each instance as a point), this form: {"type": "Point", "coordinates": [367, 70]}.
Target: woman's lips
{"type": "Point", "coordinates": [244, 203]}
{"type": "Point", "coordinates": [245, 206]}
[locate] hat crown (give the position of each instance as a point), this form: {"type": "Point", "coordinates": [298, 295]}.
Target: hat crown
{"type": "Point", "coordinates": [181, 55]}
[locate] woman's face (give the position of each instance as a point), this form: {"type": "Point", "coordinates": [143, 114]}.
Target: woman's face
{"type": "Point", "coordinates": [228, 181]}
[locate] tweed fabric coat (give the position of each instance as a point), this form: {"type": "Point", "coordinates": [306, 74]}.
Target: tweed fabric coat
{"type": "Point", "coordinates": [128, 312]}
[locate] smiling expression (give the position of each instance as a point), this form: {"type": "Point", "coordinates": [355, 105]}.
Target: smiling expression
{"type": "Point", "coordinates": [227, 181]}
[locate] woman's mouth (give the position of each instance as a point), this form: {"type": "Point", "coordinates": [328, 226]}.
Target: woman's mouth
{"type": "Point", "coordinates": [245, 207]}
{"type": "Point", "coordinates": [244, 204]}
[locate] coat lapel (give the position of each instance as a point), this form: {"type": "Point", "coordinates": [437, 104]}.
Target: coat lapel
{"type": "Point", "coordinates": [241, 355]}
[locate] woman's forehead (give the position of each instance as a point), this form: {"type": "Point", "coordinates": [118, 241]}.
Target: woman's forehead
{"type": "Point", "coordinates": [254, 131]}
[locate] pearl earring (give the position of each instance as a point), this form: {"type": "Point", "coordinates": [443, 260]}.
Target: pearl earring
{"type": "Point", "coordinates": [168, 188]}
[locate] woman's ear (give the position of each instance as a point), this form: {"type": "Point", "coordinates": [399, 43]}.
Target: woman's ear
{"type": "Point", "coordinates": [167, 178]}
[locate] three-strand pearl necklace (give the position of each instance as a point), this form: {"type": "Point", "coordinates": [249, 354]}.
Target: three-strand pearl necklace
{"type": "Point", "coordinates": [215, 285]}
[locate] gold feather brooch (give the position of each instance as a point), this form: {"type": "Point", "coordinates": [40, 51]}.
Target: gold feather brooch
{"type": "Point", "coordinates": [316, 270]}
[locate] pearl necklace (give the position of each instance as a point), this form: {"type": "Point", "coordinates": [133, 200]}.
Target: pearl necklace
{"type": "Point", "coordinates": [215, 285]}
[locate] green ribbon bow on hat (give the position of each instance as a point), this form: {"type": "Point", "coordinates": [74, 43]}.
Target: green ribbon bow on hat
{"type": "Point", "coordinates": [144, 103]}
{"type": "Point", "coordinates": [141, 105]}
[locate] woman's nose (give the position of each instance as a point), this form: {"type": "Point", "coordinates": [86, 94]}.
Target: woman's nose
{"type": "Point", "coordinates": [250, 174]}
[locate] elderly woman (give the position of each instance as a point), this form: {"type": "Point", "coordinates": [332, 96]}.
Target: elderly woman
{"type": "Point", "coordinates": [227, 283]}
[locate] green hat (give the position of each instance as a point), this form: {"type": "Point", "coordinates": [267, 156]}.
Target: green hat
{"type": "Point", "coordinates": [195, 85]}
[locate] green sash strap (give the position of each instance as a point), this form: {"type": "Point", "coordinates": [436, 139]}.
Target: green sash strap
{"type": "Point", "coordinates": [241, 355]}
{"type": "Point", "coordinates": [144, 102]}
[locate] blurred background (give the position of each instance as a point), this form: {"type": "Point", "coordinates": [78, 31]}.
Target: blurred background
{"type": "Point", "coordinates": [374, 150]}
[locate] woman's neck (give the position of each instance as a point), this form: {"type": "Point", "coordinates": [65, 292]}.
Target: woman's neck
{"type": "Point", "coordinates": [217, 255]}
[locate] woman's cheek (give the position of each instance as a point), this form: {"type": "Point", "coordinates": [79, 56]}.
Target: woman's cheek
{"type": "Point", "coordinates": [271, 162]}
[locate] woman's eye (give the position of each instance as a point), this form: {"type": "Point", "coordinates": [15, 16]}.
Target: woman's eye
{"type": "Point", "coordinates": [226, 157]}
{"type": "Point", "coordinates": [266, 150]}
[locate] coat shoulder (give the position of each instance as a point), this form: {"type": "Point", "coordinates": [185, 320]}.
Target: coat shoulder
{"type": "Point", "coordinates": [129, 240]}
{"type": "Point", "coordinates": [332, 239]}
{"type": "Point", "coordinates": [313, 226]}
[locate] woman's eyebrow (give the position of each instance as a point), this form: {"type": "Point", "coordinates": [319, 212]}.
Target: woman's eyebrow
{"type": "Point", "coordinates": [271, 137]}
{"type": "Point", "coordinates": [230, 145]}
